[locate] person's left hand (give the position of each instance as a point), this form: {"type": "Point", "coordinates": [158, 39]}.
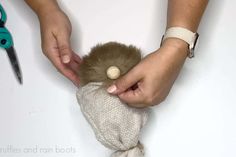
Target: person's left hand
{"type": "Point", "coordinates": [150, 81]}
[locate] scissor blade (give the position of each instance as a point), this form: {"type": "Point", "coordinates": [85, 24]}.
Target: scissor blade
{"type": "Point", "coordinates": [15, 64]}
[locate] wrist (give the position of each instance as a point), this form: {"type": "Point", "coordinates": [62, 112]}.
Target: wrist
{"type": "Point", "coordinates": [176, 45]}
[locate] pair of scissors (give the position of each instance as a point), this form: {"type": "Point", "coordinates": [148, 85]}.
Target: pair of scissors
{"type": "Point", "coordinates": [6, 42]}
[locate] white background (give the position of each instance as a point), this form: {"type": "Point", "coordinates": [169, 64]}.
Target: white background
{"type": "Point", "coordinates": [197, 119]}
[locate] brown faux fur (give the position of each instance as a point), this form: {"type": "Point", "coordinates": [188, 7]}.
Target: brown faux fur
{"type": "Point", "coordinates": [94, 66]}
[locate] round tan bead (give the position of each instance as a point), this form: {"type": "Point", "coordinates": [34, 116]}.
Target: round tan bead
{"type": "Point", "coordinates": [113, 72]}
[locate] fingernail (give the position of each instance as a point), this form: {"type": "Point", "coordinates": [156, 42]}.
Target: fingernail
{"type": "Point", "coordinates": [65, 59]}
{"type": "Point", "coordinates": [111, 89]}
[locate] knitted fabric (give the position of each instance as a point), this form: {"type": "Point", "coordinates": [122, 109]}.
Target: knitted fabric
{"type": "Point", "coordinates": [116, 125]}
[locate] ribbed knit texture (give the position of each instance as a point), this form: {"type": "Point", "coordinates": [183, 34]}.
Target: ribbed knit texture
{"type": "Point", "coordinates": [116, 125]}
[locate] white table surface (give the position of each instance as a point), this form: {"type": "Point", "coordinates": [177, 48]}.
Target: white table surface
{"type": "Point", "coordinates": [42, 117]}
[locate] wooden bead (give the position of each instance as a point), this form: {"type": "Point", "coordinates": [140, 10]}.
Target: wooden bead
{"type": "Point", "coordinates": [113, 72]}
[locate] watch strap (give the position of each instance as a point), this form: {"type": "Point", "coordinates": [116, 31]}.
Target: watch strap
{"type": "Point", "coordinates": [183, 34]}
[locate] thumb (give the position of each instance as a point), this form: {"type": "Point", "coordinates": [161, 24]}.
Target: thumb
{"type": "Point", "coordinates": [125, 82]}
{"type": "Point", "coordinates": [63, 42]}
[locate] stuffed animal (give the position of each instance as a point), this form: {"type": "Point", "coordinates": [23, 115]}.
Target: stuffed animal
{"type": "Point", "coordinates": [115, 124]}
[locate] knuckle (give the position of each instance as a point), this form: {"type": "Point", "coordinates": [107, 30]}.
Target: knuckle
{"type": "Point", "coordinates": [141, 105]}
{"type": "Point", "coordinates": [45, 51]}
{"type": "Point", "coordinates": [63, 48]}
{"type": "Point", "coordinates": [159, 99]}
{"type": "Point", "coordinates": [151, 99]}
{"type": "Point", "coordinates": [163, 98]}
{"type": "Point", "coordinates": [148, 99]}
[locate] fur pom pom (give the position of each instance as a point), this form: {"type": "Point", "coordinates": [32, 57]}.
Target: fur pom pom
{"type": "Point", "coordinates": [94, 66]}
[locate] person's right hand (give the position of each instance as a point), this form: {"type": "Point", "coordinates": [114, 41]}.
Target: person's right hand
{"type": "Point", "coordinates": [55, 33]}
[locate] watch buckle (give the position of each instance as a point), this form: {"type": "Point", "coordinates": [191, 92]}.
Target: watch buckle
{"type": "Point", "coordinates": [192, 46]}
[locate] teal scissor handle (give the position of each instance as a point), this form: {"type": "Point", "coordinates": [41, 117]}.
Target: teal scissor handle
{"type": "Point", "coordinates": [3, 15]}
{"type": "Point", "coordinates": [5, 38]}
{"type": "Point", "coordinates": [6, 42]}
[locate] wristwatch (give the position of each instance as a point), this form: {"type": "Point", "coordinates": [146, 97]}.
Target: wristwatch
{"type": "Point", "coordinates": [183, 34]}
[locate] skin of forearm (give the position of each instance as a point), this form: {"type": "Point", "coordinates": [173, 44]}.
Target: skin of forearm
{"type": "Point", "coordinates": [42, 6]}
{"type": "Point", "coordinates": [185, 13]}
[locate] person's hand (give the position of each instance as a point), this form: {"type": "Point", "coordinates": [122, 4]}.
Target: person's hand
{"type": "Point", "coordinates": [150, 81]}
{"type": "Point", "coordinates": [55, 32]}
